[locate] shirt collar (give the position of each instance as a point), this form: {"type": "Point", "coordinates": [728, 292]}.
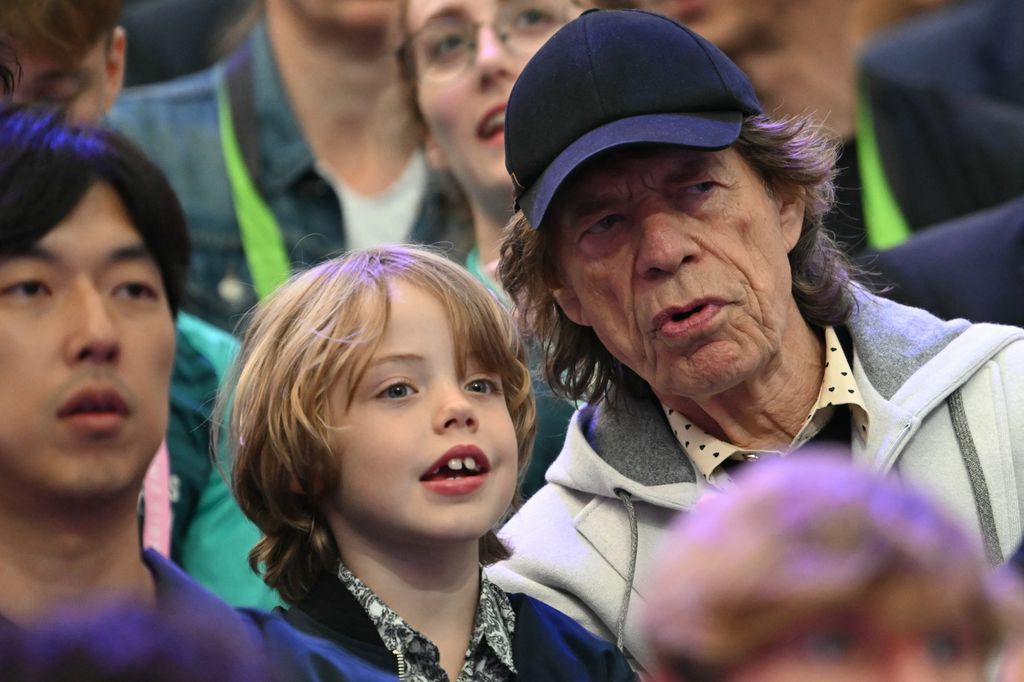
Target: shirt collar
{"type": "Point", "coordinates": [838, 387]}
{"type": "Point", "coordinates": [494, 621]}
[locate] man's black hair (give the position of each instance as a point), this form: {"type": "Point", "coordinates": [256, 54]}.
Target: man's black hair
{"type": "Point", "coordinates": [46, 168]}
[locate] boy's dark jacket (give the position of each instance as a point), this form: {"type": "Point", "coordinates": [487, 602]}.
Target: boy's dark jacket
{"type": "Point", "coordinates": [294, 657]}
{"type": "Point", "coordinates": [547, 645]}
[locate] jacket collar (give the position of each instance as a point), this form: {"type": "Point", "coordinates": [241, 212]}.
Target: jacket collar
{"type": "Point", "coordinates": [331, 604]}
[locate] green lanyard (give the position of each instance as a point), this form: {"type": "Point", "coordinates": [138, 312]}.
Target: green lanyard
{"type": "Point", "coordinates": [884, 222]}
{"type": "Point", "coordinates": [262, 240]}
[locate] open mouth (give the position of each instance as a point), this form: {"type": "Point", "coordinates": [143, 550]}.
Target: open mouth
{"type": "Point", "coordinates": [458, 463]}
{"type": "Point", "coordinates": [492, 124]}
{"type": "Point", "coordinates": [681, 320]}
{"type": "Point", "coordinates": [686, 314]}
{"type": "Point", "coordinates": [677, 315]}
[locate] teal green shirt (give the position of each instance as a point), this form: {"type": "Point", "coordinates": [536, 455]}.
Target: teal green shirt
{"type": "Point", "coordinates": [210, 536]}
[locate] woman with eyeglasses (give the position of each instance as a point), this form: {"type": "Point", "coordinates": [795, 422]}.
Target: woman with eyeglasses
{"type": "Point", "coordinates": [462, 57]}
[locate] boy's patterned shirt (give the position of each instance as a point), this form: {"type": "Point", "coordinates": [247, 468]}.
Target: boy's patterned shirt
{"type": "Point", "coordinates": [488, 655]}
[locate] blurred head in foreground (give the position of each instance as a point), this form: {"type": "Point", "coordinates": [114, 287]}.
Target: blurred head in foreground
{"type": "Point", "coordinates": [124, 642]}
{"type": "Point", "coordinates": [812, 569]}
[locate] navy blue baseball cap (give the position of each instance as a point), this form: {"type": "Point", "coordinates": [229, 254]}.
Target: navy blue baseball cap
{"type": "Point", "coordinates": [612, 78]}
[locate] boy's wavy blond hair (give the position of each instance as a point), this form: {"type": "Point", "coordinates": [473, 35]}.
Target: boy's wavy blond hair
{"type": "Point", "coordinates": [322, 326]}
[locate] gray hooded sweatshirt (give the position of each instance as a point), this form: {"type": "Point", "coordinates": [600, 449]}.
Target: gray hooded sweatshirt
{"type": "Point", "coordinates": [946, 401]}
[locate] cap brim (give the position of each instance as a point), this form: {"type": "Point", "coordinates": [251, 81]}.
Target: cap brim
{"type": "Point", "coordinates": [706, 131]}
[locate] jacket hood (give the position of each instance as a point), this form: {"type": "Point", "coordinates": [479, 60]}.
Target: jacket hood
{"type": "Point", "coordinates": [662, 475]}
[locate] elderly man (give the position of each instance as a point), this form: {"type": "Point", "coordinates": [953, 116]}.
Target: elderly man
{"type": "Point", "coordinates": [667, 251]}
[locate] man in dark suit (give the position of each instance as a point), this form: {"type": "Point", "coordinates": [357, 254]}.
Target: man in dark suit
{"type": "Point", "coordinates": [947, 99]}
{"type": "Point", "coordinates": [971, 267]}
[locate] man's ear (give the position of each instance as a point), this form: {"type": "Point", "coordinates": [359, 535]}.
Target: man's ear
{"type": "Point", "coordinates": [569, 302]}
{"type": "Point", "coordinates": [113, 68]}
{"type": "Point", "coordinates": [792, 206]}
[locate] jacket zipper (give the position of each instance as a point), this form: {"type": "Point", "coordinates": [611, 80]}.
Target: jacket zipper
{"type": "Point", "coordinates": [400, 664]}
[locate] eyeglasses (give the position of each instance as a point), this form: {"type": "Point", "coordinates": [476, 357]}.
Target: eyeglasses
{"type": "Point", "coordinates": [447, 45]}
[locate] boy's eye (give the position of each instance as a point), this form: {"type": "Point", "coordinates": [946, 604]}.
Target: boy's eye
{"type": "Point", "coordinates": [482, 386]}
{"type": "Point", "coordinates": [397, 391]}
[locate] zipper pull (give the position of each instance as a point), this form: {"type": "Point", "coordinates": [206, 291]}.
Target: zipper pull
{"type": "Point", "coordinates": [403, 668]}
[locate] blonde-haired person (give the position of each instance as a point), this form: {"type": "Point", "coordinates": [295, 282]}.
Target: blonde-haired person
{"type": "Point", "coordinates": [814, 569]}
{"type": "Point", "coordinates": [383, 414]}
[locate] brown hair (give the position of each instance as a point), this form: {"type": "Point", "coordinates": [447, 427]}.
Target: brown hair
{"type": "Point", "coordinates": [803, 537]}
{"type": "Point", "coordinates": [320, 327]}
{"type": "Point", "coordinates": [66, 29]}
{"type": "Point", "coordinates": [790, 155]}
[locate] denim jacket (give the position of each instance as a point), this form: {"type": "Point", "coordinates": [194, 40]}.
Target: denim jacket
{"type": "Point", "coordinates": [176, 125]}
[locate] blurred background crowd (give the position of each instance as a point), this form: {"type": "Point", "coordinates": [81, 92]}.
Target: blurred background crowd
{"type": "Point", "coordinates": [292, 130]}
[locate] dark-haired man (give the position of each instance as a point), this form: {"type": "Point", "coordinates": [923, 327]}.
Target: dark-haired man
{"type": "Point", "coordinates": [93, 255]}
{"type": "Point", "coordinates": [72, 56]}
{"type": "Point", "coordinates": [92, 261]}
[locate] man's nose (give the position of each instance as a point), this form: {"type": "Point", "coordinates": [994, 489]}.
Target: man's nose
{"type": "Point", "coordinates": [92, 332]}
{"type": "Point", "coordinates": [666, 243]}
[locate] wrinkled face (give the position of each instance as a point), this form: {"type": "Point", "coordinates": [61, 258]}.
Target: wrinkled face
{"type": "Point", "coordinates": [85, 89]}
{"type": "Point", "coordinates": [428, 453]}
{"type": "Point", "coordinates": [467, 54]}
{"type": "Point", "coordinates": [86, 346]}
{"type": "Point", "coordinates": [678, 261]}
{"type": "Point", "coordinates": [856, 648]}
